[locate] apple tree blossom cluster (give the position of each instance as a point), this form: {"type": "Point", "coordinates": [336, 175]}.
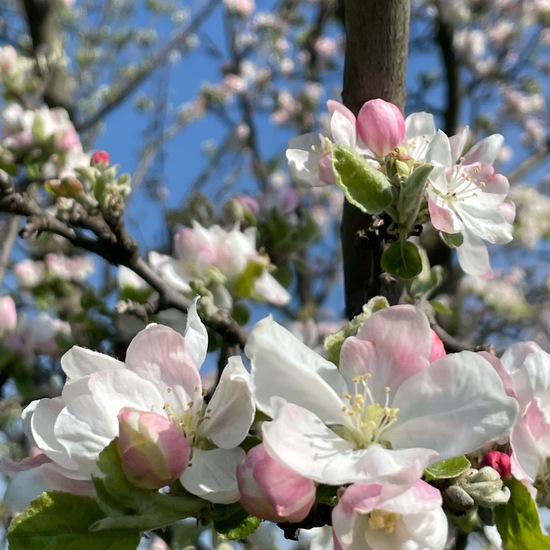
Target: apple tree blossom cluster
{"type": "Point", "coordinates": [384, 447]}
{"type": "Point", "coordinates": [415, 173]}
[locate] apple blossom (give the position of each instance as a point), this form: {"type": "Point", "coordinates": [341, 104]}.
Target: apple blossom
{"type": "Point", "coordinates": [499, 461]}
{"type": "Point", "coordinates": [154, 450]}
{"type": "Point", "coordinates": [469, 199]}
{"type": "Point", "coordinates": [272, 491]}
{"type": "Point", "coordinates": [383, 516]}
{"type": "Point", "coordinates": [227, 262]}
{"type": "Point", "coordinates": [385, 413]}
{"type": "Point", "coordinates": [100, 158]}
{"type": "Point", "coordinates": [160, 376]}
{"type": "Point", "coordinates": [525, 369]}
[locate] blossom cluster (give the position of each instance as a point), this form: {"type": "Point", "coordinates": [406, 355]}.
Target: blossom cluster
{"type": "Point", "coordinates": [429, 176]}
{"type": "Point", "coordinates": [363, 433]}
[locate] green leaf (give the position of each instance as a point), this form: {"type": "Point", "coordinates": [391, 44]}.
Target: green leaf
{"type": "Point", "coordinates": [453, 239]}
{"type": "Point", "coordinates": [60, 521]}
{"type": "Point", "coordinates": [364, 186]}
{"type": "Point", "coordinates": [447, 469]}
{"type": "Point", "coordinates": [233, 522]}
{"type": "Point", "coordinates": [518, 521]}
{"type": "Point", "coordinates": [402, 258]}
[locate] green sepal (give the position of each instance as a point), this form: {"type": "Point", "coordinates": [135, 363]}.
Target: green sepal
{"type": "Point", "coordinates": [453, 240]}
{"type": "Point", "coordinates": [244, 285]}
{"type": "Point", "coordinates": [129, 506]}
{"type": "Point", "coordinates": [402, 259]}
{"type": "Point", "coordinates": [411, 195]}
{"type": "Point", "coordinates": [364, 186]}
{"type": "Point", "coordinates": [233, 522]}
{"type": "Point", "coordinates": [518, 521]}
{"type": "Point", "coordinates": [447, 469]}
{"type": "Point", "coordinates": [61, 521]}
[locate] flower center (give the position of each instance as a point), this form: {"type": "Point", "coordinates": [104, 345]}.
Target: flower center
{"type": "Point", "coordinates": [380, 519]}
{"type": "Point", "coordinates": [463, 185]}
{"type": "Point", "coordinates": [190, 419]}
{"type": "Point", "coordinates": [368, 418]}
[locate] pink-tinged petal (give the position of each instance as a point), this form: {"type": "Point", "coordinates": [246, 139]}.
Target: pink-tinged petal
{"type": "Point", "coordinates": [439, 405]}
{"type": "Point", "coordinates": [153, 449]}
{"type": "Point", "coordinates": [374, 349]}
{"type": "Point", "coordinates": [333, 106]}
{"type": "Point", "coordinates": [381, 126]}
{"type": "Point", "coordinates": [8, 314]}
{"type": "Point", "coordinates": [298, 439]}
{"type": "Point", "coordinates": [527, 457]}
{"type": "Point", "coordinates": [285, 367]}
{"type": "Point", "coordinates": [513, 360]}
{"type": "Point", "coordinates": [212, 474]}
{"type": "Point", "coordinates": [473, 256]}
{"type": "Point", "coordinates": [159, 354]}
{"type": "Point", "coordinates": [231, 409]}
{"type": "Point", "coordinates": [437, 347]}
{"type": "Point", "coordinates": [80, 362]}
{"type": "Point", "coordinates": [326, 173]}
{"type": "Point", "coordinates": [508, 211]}
{"type": "Point", "coordinates": [441, 216]}
{"type": "Point", "coordinates": [486, 223]}
{"type": "Point", "coordinates": [501, 371]}
{"type": "Point", "coordinates": [485, 150]}
{"type": "Point", "coordinates": [342, 129]}
{"type": "Point", "coordinates": [271, 491]}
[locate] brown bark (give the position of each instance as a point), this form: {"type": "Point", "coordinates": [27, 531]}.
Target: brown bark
{"type": "Point", "coordinates": [377, 33]}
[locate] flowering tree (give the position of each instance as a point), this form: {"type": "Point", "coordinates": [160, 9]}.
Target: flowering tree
{"type": "Point", "coordinates": [156, 395]}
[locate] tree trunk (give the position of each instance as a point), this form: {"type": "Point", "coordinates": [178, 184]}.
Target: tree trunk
{"type": "Point", "coordinates": [377, 33]}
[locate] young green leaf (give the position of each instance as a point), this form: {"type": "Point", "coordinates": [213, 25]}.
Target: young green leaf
{"type": "Point", "coordinates": [61, 521]}
{"type": "Point", "coordinates": [518, 521]}
{"type": "Point", "coordinates": [402, 258]}
{"type": "Point", "coordinates": [447, 469]}
{"type": "Point", "coordinates": [364, 186]}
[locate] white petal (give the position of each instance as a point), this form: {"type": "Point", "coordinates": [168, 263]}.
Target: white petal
{"type": "Point", "coordinates": [303, 158]}
{"type": "Point", "coordinates": [282, 366]}
{"type": "Point", "coordinates": [485, 150]}
{"type": "Point", "coordinates": [473, 256]}
{"type": "Point", "coordinates": [42, 426]}
{"type": "Point", "coordinates": [196, 336]}
{"type": "Point", "coordinates": [79, 362]}
{"type": "Point", "coordinates": [342, 129]}
{"type": "Point", "coordinates": [232, 407]}
{"type": "Point", "coordinates": [170, 270]}
{"type": "Point", "coordinates": [300, 440]}
{"type": "Point", "coordinates": [455, 406]}
{"type": "Point", "coordinates": [440, 149]}
{"type": "Point", "coordinates": [213, 474]}
{"type": "Point", "coordinates": [268, 288]}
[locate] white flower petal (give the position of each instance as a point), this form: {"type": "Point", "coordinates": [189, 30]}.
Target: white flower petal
{"type": "Point", "coordinates": [268, 288]}
{"type": "Point", "coordinates": [232, 407]}
{"type": "Point", "coordinates": [455, 406]}
{"type": "Point", "coordinates": [473, 256]}
{"type": "Point", "coordinates": [79, 362]}
{"type": "Point", "coordinates": [285, 367]}
{"type": "Point", "coordinates": [170, 270]}
{"type": "Point", "coordinates": [213, 474]}
{"type": "Point", "coordinates": [196, 336]}
{"type": "Point", "coordinates": [439, 150]}
{"type": "Point", "coordinates": [298, 439]}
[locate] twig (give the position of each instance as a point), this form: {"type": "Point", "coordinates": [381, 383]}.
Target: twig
{"type": "Point", "coordinates": [12, 227]}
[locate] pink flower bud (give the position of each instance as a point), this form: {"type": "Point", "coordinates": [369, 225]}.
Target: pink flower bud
{"type": "Point", "coordinates": [8, 314]}
{"type": "Point", "coordinates": [438, 348]}
{"type": "Point", "coordinates": [272, 491]}
{"type": "Point", "coordinates": [100, 158]}
{"type": "Point", "coordinates": [498, 461]}
{"type": "Point", "coordinates": [381, 126]}
{"type": "Point", "coordinates": [154, 450]}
